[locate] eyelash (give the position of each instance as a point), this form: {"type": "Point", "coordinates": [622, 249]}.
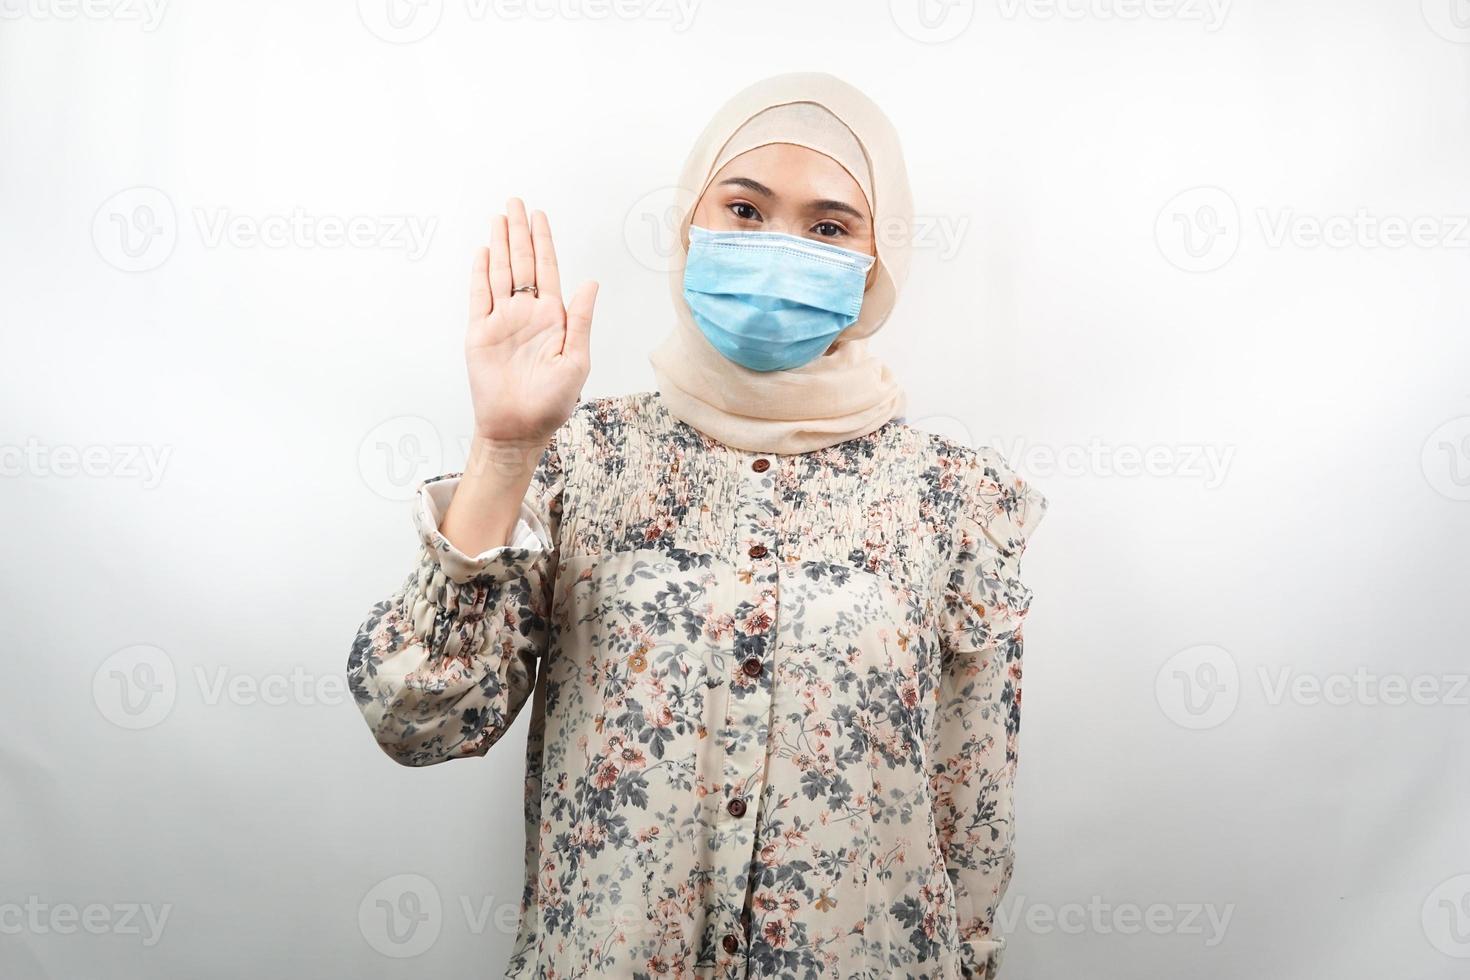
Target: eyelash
{"type": "Point", "coordinates": [737, 206]}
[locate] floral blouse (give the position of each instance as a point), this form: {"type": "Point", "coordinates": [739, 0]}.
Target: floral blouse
{"type": "Point", "coordinates": [773, 699]}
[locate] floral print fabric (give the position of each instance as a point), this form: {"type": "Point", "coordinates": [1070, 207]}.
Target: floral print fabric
{"type": "Point", "coordinates": [773, 699]}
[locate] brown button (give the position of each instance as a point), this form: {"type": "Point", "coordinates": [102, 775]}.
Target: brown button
{"type": "Point", "coordinates": [736, 807]}
{"type": "Point", "coordinates": [761, 465]}
{"type": "Point", "coordinates": [757, 551]}
{"type": "Point", "coordinates": [731, 942]}
{"type": "Point", "coordinates": [752, 666]}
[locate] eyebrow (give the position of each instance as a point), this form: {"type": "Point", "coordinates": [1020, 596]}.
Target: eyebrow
{"type": "Point", "coordinates": [757, 187]}
{"type": "Point", "coordinates": [838, 206]}
{"type": "Point", "coordinates": [750, 185]}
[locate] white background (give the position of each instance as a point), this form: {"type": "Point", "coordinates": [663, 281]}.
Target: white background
{"type": "Point", "coordinates": [1198, 271]}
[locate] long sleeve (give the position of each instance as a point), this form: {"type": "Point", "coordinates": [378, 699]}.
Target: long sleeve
{"type": "Point", "coordinates": [973, 760]}
{"type": "Point", "coordinates": [441, 668]}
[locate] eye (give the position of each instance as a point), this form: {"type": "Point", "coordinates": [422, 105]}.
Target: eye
{"type": "Point", "coordinates": [829, 229]}
{"type": "Point", "coordinates": [745, 211]}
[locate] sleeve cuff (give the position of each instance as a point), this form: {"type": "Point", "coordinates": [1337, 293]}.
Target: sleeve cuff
{"type": "Point", "coordinates": [429, 505]}
{"type": "Point", "coordinates": [982, 958]}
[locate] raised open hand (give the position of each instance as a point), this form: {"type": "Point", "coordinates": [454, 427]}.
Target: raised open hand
{"type": "Point", "coordinates": [526, 352]}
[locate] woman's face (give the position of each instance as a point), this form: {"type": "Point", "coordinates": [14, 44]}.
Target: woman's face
{"type": "Point", "coordinates": [788, 188]}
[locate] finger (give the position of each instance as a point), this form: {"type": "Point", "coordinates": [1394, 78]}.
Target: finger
{"type": "Point", "coordinates": [548, 276]}
{"type": "Point", "coordinates": [579, 322]}
{"type": "Point", "coordinates": [522, 253]}
{"type": "Point", "coordinates": [499, 260]}
{"type": "Point", "coordinates": [481, 302]}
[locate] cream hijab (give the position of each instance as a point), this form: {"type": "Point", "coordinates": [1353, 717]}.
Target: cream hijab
{"type": "Point", "coordinates": [847, 391]}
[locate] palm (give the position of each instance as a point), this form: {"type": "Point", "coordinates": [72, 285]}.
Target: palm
{"type": "Point", "coordinates": [527, 354]}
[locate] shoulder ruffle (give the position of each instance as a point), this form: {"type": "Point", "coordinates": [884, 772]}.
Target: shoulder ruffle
{"type": "Point", "coordinates": [989, 493]}
{"type": "Point", "coordinates": [1005, 505]}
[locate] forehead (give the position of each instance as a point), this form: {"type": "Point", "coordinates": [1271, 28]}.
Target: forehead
{"type": "Point", "coordinates": [795, 174]}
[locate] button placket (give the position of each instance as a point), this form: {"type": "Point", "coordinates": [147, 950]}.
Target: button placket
{"type": "Point", "coordinates": [758, 520]}
{"type": "Point", "coordinates": [748, 716]}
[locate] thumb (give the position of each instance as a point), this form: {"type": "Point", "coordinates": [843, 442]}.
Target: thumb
{"type": "Point", "coordinates": [579, 321]}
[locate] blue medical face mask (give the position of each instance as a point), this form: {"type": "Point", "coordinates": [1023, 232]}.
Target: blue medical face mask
{"type": "Point", "coordinates": [772, 301]}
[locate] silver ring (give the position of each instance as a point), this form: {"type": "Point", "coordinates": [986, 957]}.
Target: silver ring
{"type": "Point", "coordinates": [526, 289]}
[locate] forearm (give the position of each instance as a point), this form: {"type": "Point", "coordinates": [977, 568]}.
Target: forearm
{"type": "Point", "coordinates": [486, 503]}
{"type": "Point", "coordinates": [442, 667]}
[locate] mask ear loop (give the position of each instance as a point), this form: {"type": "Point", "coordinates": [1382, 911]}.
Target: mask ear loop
{"type": "Point", "coordinates": [877, 263]}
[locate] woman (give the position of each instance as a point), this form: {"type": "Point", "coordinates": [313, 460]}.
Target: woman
{"type": "Point", "coordinates": [770, 634]}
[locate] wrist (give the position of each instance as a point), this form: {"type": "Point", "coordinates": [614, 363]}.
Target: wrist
{"type": "Point", "coordinates": [490, 457]}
